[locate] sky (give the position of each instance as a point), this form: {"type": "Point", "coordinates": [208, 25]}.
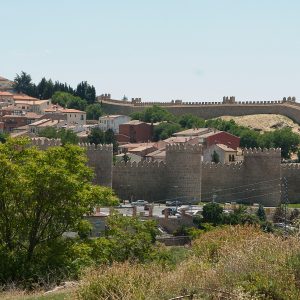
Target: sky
{"type": "Point", "coordinates": [158, 50]}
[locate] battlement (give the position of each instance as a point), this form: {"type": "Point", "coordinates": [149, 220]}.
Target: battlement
{"type": "Point", "coordinates": [99, 147]}
{"type": "Point", "coordinates": [231, 166]}
{"type": "Point", "coordinates": [105, 97]}
{"type": "Point", "coordinates": [141, 164]}
{"type": "Point", "coordinates": [290, 166]}
{"type": "Point", "coordinates": [184, 148]}
{"type": "Point", "coordinates": [262, 152]}
{"type": "Point", "coordinates": [45, 143]}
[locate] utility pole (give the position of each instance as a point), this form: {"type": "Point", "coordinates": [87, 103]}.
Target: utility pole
{"type": "Point", "coordinates": [285, 202]}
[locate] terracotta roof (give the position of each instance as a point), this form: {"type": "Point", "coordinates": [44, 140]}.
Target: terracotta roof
{"type": "Point", "coordinates": [181, 139]}
{"type": "Point", "coordinates": [32, 115]}
{"type": "Point", "coordinates": [5, 94]}
{"type": "Point", "coordinates": [69, 110]}
{"type": "Point", "coordinates": [134, 122]}
{"type": "Point", "coordinates": [192, 132]}
{"type": "Point", "coordinates": [3, 79]}
{"type": "Point", "coordinates": [24, 97]}
{"type": "Point", "coordinates": [111, 117]}
{"type": "Point", "coordinates": [225, 148]}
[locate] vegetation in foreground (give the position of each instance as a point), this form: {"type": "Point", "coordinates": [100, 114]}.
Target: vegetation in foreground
{"type": "Point", "coordinates": [226, 263]}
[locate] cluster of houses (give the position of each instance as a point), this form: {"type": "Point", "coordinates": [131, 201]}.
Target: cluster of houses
{"type": "Point", "coordinates": [135, 140]}
{"type": "Point", "coordinates": [22, 115]}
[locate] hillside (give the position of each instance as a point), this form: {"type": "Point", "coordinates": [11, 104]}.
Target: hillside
{"type": "Point", "coordinates": [264, 122]}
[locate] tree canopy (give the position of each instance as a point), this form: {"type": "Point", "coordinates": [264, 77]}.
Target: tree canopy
{"type": "Point", "coordinates": [42, 195]}
{"type": "Point", "coordinates": [66, 136]}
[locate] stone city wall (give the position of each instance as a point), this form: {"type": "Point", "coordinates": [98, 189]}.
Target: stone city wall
{"type": "Point", "coordinates": [292, 174]}
{"type": "Point", "coordinates": [256, 180]}
{"type": "Point", "coordinates": [143, 180]}
{"type": "Point", "coordinates": [99, 157]}
{"type": "Point", "coordinates": [207, 110]}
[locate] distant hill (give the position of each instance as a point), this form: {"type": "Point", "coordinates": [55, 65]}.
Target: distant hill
{"type": "Point", "coordinates": [264, 122]}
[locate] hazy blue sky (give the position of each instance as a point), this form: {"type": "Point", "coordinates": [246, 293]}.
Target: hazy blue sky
{"type": "Point", "coordinates": [157, 50]}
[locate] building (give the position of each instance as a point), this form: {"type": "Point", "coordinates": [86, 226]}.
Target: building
{"type": "Point", "coordinates": [224, 154]}
{"type": "Point", "coordinates": [112, 122]}
{"type": "Point", "coordinates": [74, 117]}
{"type": "Point", "coordinates": [219, 137]}
{"type": "Point", "coordinates": [6, 98]}
{"type": "Point", "coordinates": [11, 122]}
{"type": "Point", "coordinates": [192, 132]}
{"type": "Point", "coordinates": [135, 132]}
{"type": "Point", "coordinates": [5, 84]}
{"type": "Point", "coordinates": [36, 127]}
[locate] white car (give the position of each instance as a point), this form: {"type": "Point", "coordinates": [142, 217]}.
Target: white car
{"type": "Point", "coordinates": [139, 203]}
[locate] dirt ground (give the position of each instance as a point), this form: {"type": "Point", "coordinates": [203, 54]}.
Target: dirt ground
{"type": "Point", "coordinates": [264, 122]}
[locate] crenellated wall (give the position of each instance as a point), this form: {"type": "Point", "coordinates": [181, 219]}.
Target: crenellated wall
{"type": "Point", "coordinates": [292, 173]}
{"type": "Point", "coordinates": [255, 180]}
{"type": "Point", "coordinates": [100, 158]}
{"type": "Point", "coordinates": [143, 180]}
{"type": "Point", "coordinates": [207, 110]}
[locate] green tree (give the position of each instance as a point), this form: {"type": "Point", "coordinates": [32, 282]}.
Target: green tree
{"type": "Point", "coordinates": [110, 138]}
{"type": "Point", "coordinates": [165, 129]}
{"type": "Point", "coordinates": [261, 214]}
{"type": "Point", "coordinates": [215, 157]}
{"type": "Point", "coordinates": [86, 92]}
{"type": "Point", "coordinates": [94, 111]}
{"type": "Point", "coordinates": [3, 137]}
{"type": "Point", "coordinates": [23, 83]}
{"type": "Point", "coordinates": [126, 238]}
{"type": "Point", "coordinates": [66, 136]}
{"type": "Point", "coordinates": [212, 213]}
{"type": "Point", "coordinates": [68, 100]}
{"type": "Point", "coordinates": [126, 158]}
{"type": "Point", "coordinates": [191, 121]}
{"type": "Point", "coordinates": [153, 114]}
{"type": "Point", "coordinates": [42, 195]}
{"type": "Point", "coordinates": [96, 136]}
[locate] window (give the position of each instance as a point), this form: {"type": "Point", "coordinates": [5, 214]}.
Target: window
{"type": "Point", "coordinates": [82, 118]}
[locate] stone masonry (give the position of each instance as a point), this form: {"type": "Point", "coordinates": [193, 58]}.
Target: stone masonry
{"type": "Point", "coordinates": [255, 180]}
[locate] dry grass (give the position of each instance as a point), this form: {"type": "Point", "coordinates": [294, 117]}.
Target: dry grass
{"type": "Point", "coordinates": [264, 122]}
{"type": "Point", "coordinates": [230, 263]}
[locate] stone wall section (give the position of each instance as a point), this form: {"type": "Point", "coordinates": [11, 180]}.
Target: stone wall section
{"type": "Point", "coordinates": [292, 173]}
{"type": "Point", "coordinates": [140, 181]}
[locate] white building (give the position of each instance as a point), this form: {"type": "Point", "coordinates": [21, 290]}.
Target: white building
{"type": "Point", "coordinates": [112, 122]}
{"type": "Point", "coordinates": [74, 117]}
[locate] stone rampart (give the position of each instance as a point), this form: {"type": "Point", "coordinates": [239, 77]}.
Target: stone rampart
{"type": "Point", "coordinates": [143, 180]}
{"type": "Point", "coordinates": [292, 173]}
{"type": "Point", "coordinates": [207, 110]}
{"type": "Point", "coordinates": [99, 158]}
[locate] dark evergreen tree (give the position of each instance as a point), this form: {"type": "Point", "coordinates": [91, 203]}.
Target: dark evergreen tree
{"type": "Point", "coordinates": [261, 214]}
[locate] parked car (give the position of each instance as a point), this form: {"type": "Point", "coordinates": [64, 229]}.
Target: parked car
{"type": "Point", "coordinates": [139, 203]}
{"type": "Point", "coordinates": [171, 211]}
{"type": "Point", "coordinates": [173, 203]}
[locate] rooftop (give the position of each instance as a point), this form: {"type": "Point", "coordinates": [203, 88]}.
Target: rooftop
{"type": "Point", "coordinates": [181, 139]}
{"type": "Point", "coordinates": [111, 117]}
{"type": "Point", "coordinates": [5, 94]}
{"type": "Point", "coordinates": [24, 97]}
{"type": "Point", "coordinates": [192, 132]}
{"type": "Point", "coordinates": [70, 110]}
{"type": "Point", "coordinates": [225, 148]}
{"type": "Point", "coordinates": [134, 122]}
{"type": "Point", "coordinates": [135, 145]}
